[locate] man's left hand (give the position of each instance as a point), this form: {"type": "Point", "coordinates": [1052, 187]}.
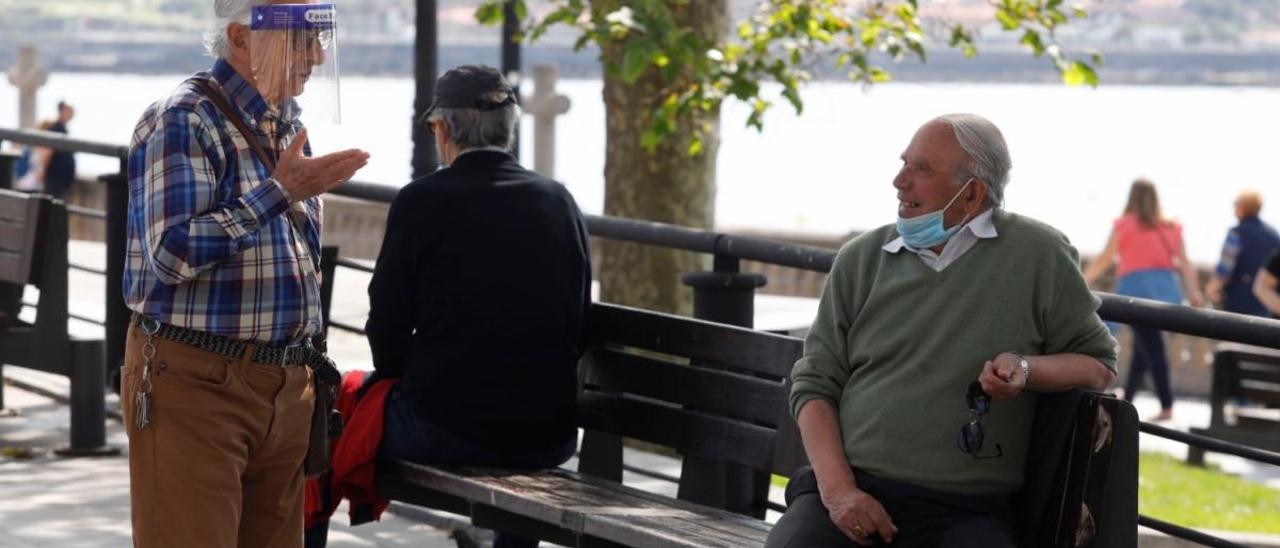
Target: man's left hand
{"type": "Point", "coordinates": [1002, 377]}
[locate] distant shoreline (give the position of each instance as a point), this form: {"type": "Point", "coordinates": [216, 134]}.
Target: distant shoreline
{"type": "Point", "coordinates": [1229, 68]}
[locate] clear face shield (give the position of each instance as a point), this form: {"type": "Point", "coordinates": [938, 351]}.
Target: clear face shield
{"type": "Point", "coordinates": [294, 55]}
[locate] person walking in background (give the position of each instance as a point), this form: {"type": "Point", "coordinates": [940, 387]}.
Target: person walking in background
{"type": "Point", "coordinates": [61, 171]}
{"type": "Point", "coordinates": [1149, 254]}
{"type": "Point", "coordinates": [1246, 250]}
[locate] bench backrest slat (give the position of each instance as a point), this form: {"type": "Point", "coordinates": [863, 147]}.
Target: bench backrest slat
{"type": "Point", "coordinates": [1260, 372]}
{"type": "Point", "coordinates": [707, 342]}
{"type": "Point", "coordinates": [721, 392]}
{"type": "Point", "coordinates": [690, 432]}
{"type": "Point", "coordinates": [20, 227]}
{"type": "Point", "coordinates": [701, 388]}
{"type": "Point", "coordinates": [1248, 372]}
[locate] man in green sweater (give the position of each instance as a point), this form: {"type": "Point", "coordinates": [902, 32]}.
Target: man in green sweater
{"type": "Point", "coordinates": [918, 385]}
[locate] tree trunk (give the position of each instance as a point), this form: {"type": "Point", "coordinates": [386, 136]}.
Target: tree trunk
{"type": "Point", "coordinates": [667, 185]}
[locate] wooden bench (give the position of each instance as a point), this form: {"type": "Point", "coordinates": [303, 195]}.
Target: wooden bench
{"type": "Point", "coordinates": [1250, 374]}
{"type": "Point", "coordinates": [706, 390]}
{"type": "Point", "coordinates": [717, 395]}
{"type": "Point", "coordinates": [33, 251]}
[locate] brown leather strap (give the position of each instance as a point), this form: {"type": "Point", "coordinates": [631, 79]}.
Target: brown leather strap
{"type": "Point", "coordinates": [220, 100]}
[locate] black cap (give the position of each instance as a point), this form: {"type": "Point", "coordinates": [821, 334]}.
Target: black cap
{"type": "Point", "coordinates": [466, 87]}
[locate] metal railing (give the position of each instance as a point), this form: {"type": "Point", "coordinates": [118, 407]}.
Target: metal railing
{"type": "Point", "coordinates": [728, 250]}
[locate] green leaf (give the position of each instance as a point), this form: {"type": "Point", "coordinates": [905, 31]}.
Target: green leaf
{"type": "Point", "coordinates": [489, 13]}
{"type": "Point", "coordinates": [634, 61]}
{"type": "Point", "coordinates": [695, 144]}
{"type": "Point", "coordinates": [1031, 39]}
{"type": "Point", "coordinates": [1007, 19]}
{"type": "Point", "coordinates": [650, 140]}
{"type": "Point", "coordinates": [792, 94]}
{"type": "Point", "coordinates": [1077, 73]}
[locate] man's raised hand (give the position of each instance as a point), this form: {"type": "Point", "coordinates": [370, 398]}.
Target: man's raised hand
{"type": "Point", "coordinates": [304, 177]}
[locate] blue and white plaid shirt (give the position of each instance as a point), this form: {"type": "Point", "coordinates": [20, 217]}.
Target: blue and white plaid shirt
{"type": "Point", "coordinates": [211, 246]}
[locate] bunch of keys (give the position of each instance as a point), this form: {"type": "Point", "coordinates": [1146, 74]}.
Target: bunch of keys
{"type": "Point", "coordinates": [142, 398]}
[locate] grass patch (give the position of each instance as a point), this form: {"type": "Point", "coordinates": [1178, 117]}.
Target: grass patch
{"type": "Point", "coordinates": [1191, 496]}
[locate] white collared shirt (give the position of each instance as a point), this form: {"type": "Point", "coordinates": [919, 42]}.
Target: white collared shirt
{"type": "Point", "coordinates": [478, 149]}
{"type": "Point", "coordinates": [979, 228]}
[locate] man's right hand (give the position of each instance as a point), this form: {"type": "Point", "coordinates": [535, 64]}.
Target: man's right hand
{"type": "Point", "coordinates": [858, 515]}
{"type": "Point", "coordinates": [304, 177]}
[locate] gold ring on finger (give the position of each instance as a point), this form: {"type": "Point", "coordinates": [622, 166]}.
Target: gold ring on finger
{"type": "Point", "coordinates": [858, 531]}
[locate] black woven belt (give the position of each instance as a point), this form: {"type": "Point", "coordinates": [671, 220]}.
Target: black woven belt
{"type": "Point", "coordinates": [302, 354]}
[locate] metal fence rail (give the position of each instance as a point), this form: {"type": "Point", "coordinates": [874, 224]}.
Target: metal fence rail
{"type": "Point", "coordinates": [728, 250]}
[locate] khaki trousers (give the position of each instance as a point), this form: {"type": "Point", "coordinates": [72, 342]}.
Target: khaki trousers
{"type": "Point", "coordinates": [220, 464]}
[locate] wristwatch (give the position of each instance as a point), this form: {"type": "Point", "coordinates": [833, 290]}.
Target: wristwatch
{"type": "Point", "coordinates": [1026, 367]}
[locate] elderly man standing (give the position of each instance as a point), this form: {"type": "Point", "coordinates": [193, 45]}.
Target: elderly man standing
{"type": "Point", "coordinates": [222, 273]}
{"type": "Point", "coordinates": [1245, 251]}
{"type": "Point", "coordinates": [921, 326]}
{"type": "Point", "coordinates": [479, 296]}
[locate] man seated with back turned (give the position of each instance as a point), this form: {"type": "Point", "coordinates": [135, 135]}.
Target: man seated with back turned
{"type": "Point", "coordinates": [921, 326]}
{"type": "Point", "coordinates": [479, 296]}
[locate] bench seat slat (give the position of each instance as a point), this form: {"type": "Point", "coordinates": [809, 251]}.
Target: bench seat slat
{"type": "Point", "coordinates": [721, 392]}
{"type": "Point", "coordinates": [735, 347]}
{"type": "Point", "coordinates": [588, 506]}
{"type": "Point", "coordinates": [689, 432]}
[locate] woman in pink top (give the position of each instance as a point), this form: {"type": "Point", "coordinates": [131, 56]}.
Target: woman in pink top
{"type": "Point", "coordinates": [1150, 252]}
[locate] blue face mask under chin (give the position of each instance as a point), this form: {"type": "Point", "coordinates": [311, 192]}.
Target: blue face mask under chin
{"type": "Point", "coordinates": [926, 231]}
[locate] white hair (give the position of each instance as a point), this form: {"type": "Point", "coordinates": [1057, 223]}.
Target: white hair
{"type": "Point", "coordinates": [225, 13]}
{"type": "Point", "coordinates": [474, 128]}
{"type": "Point", "coordinates": [988, 154]}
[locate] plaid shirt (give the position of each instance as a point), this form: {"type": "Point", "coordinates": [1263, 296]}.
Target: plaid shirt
{"type": "Point", "coordinates": [211, 243]}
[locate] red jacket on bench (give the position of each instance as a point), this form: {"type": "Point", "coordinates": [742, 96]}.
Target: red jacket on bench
{"type": "Point", "coordinates": [354, 453]}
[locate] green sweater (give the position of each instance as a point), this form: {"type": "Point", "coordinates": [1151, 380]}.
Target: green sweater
{"type": "Point", "coordinates": [896, 344]}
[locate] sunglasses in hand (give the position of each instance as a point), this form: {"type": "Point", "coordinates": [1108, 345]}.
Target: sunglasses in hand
{"type": "Point", "coordinates": [973, 434]}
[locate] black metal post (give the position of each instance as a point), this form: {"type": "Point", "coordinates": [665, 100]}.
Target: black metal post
{"type": "Point", "coordinates": [511, 65]}
{"type": "Point", "coordinates": [10, 295]}
{"type": "Point", "coordinates": [7, 160]}
{"type": "Point", "coordinates": [84, 360]}
{"type": "Point", "coordinates": [88, 376]}
{"type": "Point", "coordinates": [328, 266]}
{"type": "Point", "coordinates": [117, 313]}
{"type": "Point", "coordinates": [424, 74]}
{"type": "Point", "coordinates": [725, 296]}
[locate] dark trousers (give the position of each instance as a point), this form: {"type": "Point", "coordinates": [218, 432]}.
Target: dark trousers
{"type": "Point", "coordinates": [925, 518]}
{"type": "Point", "coordinates": [406, 436]}
{"type": "Point", "coordinates": [1149, 354]}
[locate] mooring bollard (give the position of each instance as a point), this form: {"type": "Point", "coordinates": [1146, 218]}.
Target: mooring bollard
{"type": "Point", "coordinates": [727, 296]}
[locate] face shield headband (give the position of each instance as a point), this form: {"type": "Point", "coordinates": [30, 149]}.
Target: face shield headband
{"type": "Point", "coordinates": [294, 56]}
